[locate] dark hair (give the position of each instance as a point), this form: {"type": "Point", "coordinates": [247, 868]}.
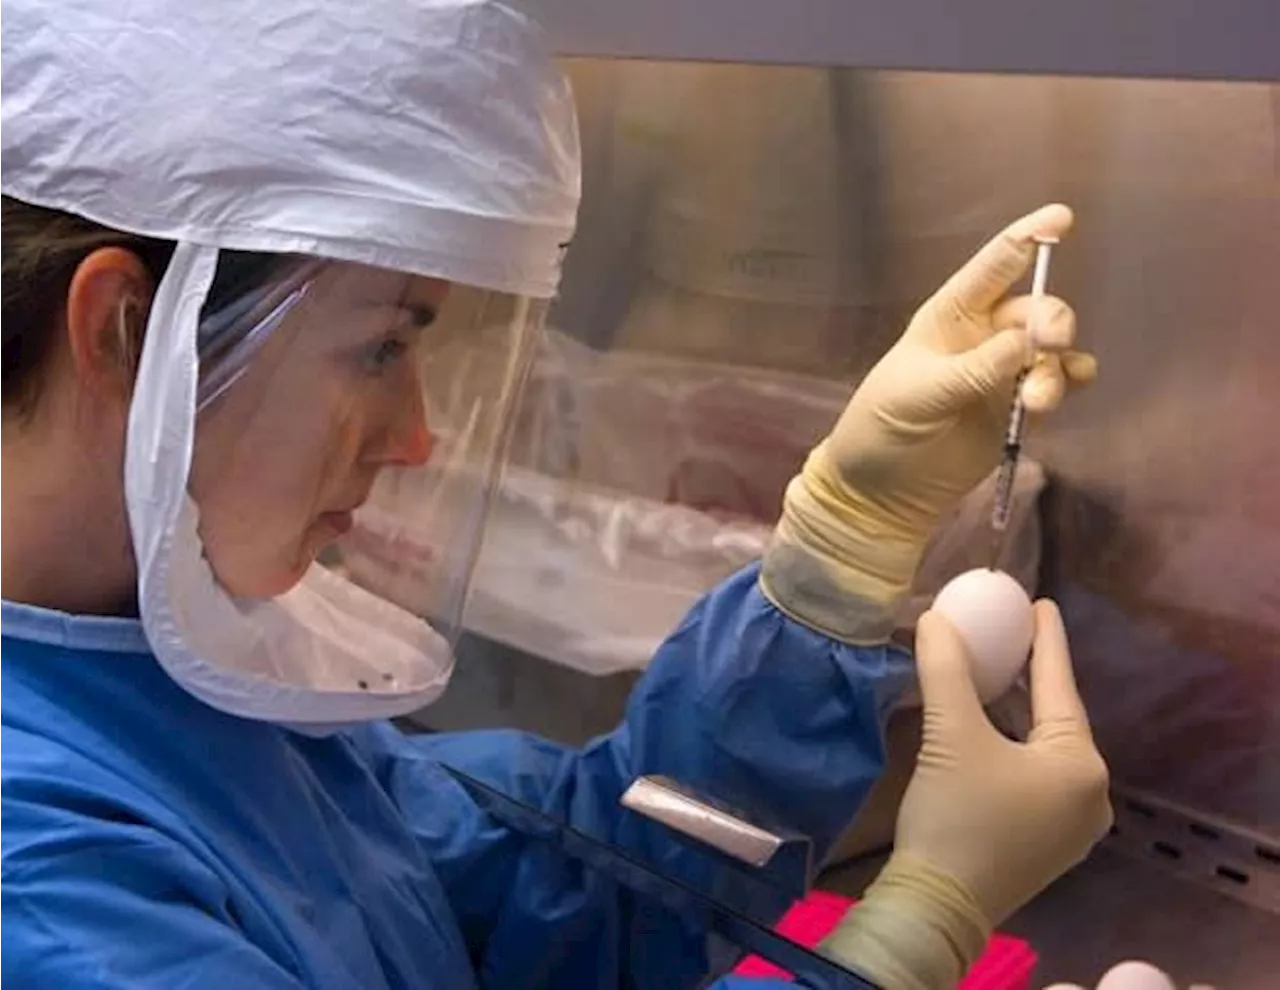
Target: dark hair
{"type": "Point", "coordinates": [42, 249]}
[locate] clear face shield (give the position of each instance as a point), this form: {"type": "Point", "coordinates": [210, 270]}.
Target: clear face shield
{"type": "Point", "coordinates": [351, 424]}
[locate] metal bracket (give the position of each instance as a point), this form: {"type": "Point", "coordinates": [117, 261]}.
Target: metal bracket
{"type": "Point", "coordinates": [778, 858]}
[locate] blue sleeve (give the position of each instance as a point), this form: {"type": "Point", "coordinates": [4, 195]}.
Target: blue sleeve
{"type": "Point", "coordinates": [740, 702]}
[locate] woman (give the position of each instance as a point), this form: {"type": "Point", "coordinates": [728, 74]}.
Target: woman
{"type": "Point", "coordinates": [236, 237]}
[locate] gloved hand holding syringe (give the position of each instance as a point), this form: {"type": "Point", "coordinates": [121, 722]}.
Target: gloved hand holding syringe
{"type": "Point", "coordinates": [933, 415]}
{"type": "Point", "coordinates": [990, 610]}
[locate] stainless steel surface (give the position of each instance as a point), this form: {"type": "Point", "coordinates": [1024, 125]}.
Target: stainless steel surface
{"type": "Point", "coordinates": [657, 800]}
{"type": "Point", "coordinates": [1228, 39]}
{"type": "Point", "coordinates": [1114, 908]}
{"type": "Point", "coordinates": [1222, 856]}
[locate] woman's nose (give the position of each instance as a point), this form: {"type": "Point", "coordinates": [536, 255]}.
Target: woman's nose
{"type": "Point", "coordinates": [408, 442]}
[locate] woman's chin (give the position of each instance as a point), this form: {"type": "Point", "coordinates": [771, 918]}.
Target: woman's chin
{"type": "Point", "coordinates": [276, 577]}
{"type": "Point", "coordinates": [267, 584]}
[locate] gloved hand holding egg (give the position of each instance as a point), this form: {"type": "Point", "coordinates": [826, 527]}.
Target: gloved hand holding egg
{"type": "Point", "coordinates": [986, 822]}
{"type": "Point", "coordinates": [922, 429]}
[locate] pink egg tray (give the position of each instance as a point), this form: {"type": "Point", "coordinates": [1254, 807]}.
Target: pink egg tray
{"type": "Point", "coordinates": [1007, 964]}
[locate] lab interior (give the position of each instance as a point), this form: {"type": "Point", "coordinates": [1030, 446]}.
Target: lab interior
{"type": "Point", "coordinates": [764, 207]}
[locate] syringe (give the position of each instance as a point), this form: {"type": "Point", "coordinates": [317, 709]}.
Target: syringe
{"type": "Point", "coordinates": [1002, 507]}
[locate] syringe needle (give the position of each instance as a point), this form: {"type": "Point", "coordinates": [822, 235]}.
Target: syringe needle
{"type": "Point", "coordinates": [1002, 506]}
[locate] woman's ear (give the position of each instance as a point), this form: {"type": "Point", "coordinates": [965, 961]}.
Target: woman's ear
{"type": "Point", "coordinates": [105, 316]}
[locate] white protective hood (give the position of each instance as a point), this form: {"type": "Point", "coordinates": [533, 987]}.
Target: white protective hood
{"type": "Point", "coordinates": [433, 137]}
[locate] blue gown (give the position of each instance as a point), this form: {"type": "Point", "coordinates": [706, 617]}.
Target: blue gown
{"type": "Point", "coordinates": [150, 841]}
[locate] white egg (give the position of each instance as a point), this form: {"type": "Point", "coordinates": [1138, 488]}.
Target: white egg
{"type": "Point", "coordinates": [993, 616]}
{"type": "Point", "coordinates": [1134, 975]}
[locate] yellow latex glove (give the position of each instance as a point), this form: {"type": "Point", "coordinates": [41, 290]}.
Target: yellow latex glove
{"type": "Point", "coordinates": [986, 823]}
{"type": "Point", "coordinates": [923, 428]}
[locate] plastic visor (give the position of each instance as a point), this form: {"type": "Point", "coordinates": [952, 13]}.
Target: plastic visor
{"type": "Point", "coordinates": [339, 483]}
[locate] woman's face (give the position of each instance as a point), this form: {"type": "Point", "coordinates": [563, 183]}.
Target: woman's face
{"type": "Point", "coordinates": [292, 448]}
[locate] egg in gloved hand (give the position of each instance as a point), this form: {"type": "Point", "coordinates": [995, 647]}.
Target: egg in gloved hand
{"type": "Point", "coordinates": [1135, 975]}
{"type": "Point", "coordinates": [992, 614]}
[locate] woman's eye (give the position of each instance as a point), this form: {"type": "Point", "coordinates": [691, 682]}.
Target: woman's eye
{"type": "Point", "coordinates": [387, 352]}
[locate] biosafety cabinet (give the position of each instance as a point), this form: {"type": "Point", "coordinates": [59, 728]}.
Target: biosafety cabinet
{"type": "Point", "coordinates": [770, 189]}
